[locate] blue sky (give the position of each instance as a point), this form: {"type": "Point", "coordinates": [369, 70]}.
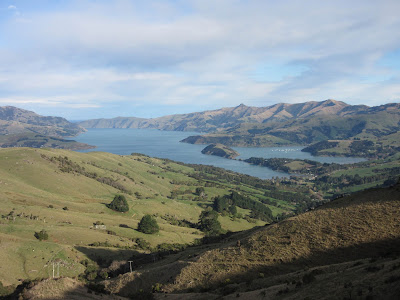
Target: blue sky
{"type": "Point", "coordinates": [89, 59]}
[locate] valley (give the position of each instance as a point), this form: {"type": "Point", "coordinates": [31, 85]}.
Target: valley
{"type": "Point", "coordinates": [199, 150]}
{"type": "Point", "coordinates": [219, 233]}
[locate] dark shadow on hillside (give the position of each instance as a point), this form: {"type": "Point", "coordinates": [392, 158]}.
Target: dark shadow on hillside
{"type": "Point", "coordinates": [105, 257]}
{"type": "Point", "coordinates": [168, 273]}
{"type": "Point", "coordinates": [380, 249]}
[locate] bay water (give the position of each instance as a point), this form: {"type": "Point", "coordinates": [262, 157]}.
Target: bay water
{"type": "Point", "coordinates": [166, 144]}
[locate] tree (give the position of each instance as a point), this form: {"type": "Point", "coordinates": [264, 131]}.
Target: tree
{"type": "Point", "coordinates": [209, 224]}
{"type": "Point", "coordinates": [119, 204]}
{"type": "Point", "coordinates": [220, 204]}
{"type": "Point", "coordinates": [42, 235]}
{"type": "Point", "coordinates": [148, 225]}
{"type": "Point", "coordinates": [233, 210]}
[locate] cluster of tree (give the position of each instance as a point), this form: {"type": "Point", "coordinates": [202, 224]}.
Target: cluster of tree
{"type": "Point", "coordinates": [224, 205]}
{"type": "Point", "coordinates": [92, 271]}
{"type": "Point", "coordinates": [229, 202]}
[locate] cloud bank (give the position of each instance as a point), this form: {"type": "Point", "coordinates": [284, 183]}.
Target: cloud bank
{"type": "Point", "coordinates": [111, 58]}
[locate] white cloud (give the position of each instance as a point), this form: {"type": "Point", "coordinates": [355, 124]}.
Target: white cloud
{"type": "Point", "coordinates": [12, 7]}
{"type": "Point", "coordinates": [207, 53]}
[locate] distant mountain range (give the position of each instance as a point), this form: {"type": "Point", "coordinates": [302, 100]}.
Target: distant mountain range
{"type": "Point", "coordinates": [217, 120]}
{"type": "Point", "coordinates": [220, 119]}
{"type": "Point", "coordinates": [24, 128]}
{"type": "Point", "coordinates": [276, 125]}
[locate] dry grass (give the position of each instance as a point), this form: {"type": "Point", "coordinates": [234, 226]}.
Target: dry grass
{"type": "Point", "coordinates": [64, 288]}
{"type": "Point", "coordinates": [348, 229]}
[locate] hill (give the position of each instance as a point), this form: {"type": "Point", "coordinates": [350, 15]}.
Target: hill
{"type": "Point", "coordinates": [220, 119]}
{"type": "Point", "coordinates": [279, 125]}
{"type": "Point", "coordinates": [16, 120]}
{"type": "Point", "coordinates": [68, 201]}
{"type": "Point", "coordinates": [374, 124]}
{"type": "Point", "coordinates": [220, 150]}
{"type": "Point", "coordinates": [23, 128]}
{"type": "Point", "coordinates": [66, 194]}
{"type": "Point", "coordinates": [346, 248]}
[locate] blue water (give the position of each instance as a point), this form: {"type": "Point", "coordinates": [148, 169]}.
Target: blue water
{"type": "Point", "coordinates": [165, 144]}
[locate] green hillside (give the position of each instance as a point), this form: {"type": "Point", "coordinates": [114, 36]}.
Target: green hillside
{"type": "Point", "coordinates": [66, 193]}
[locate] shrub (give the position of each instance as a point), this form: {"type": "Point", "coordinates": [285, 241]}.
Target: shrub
{"type": "Point", "coordinates": [91, 276]}
{"type": "Point", "coordinates": [142, 243]}
{"type": "Point", "coordinates": [91, 270]}
{"type": "Point", "coordinates": [103, 274]}
{"type": "Point", "coordinates": [119, 203]}
{"type": "Point", "coordinates": [157, 288]}
{"type": "Point", "coordinates": [42, 235]}
{"type": "Point", "coordinates": [148, 225]}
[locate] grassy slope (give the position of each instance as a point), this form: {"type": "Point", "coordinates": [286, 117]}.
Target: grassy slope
{"type": "Point", "coordinates": [30, 182]}
{"type": "Point", "coordinates": [349, 229]}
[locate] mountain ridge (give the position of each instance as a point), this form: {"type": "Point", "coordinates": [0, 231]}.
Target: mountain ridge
{"type": "Point", "coordinates": [214, 120]}
{"type": "Point", "coordinates": [16, 120]}
{"type": "Point", "coordinates": [24, 128]}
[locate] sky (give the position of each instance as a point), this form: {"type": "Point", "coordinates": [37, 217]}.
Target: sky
{"type": "Point", "coordinates": [84, 59]}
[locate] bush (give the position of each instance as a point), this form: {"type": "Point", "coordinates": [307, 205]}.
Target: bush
{"type": "Point", "coordinates": [148, 225]}
{"type": "Point", "coordinates": [142, 243]}
{"type": "Point", "coordinates": [103, 274]}
{"type": "Point", "coordinates": [119, 204]}
{"type": "Point", "coordinates": [42, 235]}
